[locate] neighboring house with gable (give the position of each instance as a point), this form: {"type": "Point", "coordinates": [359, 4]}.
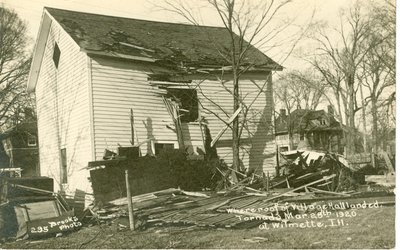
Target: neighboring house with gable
{"type": "Point", "coordinates": [309, 129]}
{"type": "Point", "coordinates": [90, 70]}
{"type": "Point", "coordinates": [19, 149]}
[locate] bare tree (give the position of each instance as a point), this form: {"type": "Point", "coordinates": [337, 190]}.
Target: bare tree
{"type": "Point", "coordinates": [299, 90]}
{"type": "Point", "coordinates": [248, 24]}
{"type": "Point", "coordinates": [14, 67]}
{"type": "Point", "coordinates": [339, 61]}
{"type": "Point", "coordinates": [377, 73]}
{"type": "Point", "coordinates": [306, 88]}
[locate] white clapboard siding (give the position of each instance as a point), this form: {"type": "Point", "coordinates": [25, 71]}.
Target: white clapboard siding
{"type": "Point", "coordinates": [212, 94]}
{"type": "Point", "coordinates": [62, 97]}
{"type": "Point", "coordinates": [118, 86]}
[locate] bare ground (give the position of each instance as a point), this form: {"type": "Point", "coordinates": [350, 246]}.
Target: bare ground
{"type": "Point", "coordinates": [371, 228]}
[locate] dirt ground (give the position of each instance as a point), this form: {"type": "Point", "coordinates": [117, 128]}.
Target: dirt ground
{"type": "Point", "coordinates": [368, 228]}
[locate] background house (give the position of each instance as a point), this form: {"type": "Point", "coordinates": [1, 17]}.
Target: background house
{"type": "Point", "coordinates": [310, 129]}
{"type": "Point", "coordinates": [19, 149]}
{"type": "Point", "coordinates": [89, 71]}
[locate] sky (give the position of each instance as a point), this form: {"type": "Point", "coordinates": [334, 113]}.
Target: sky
{"type": "Point", "coordinates": [31, 11]}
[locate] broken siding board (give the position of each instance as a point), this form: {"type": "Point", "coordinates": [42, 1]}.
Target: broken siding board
{"type": "Point", "coordinates": [113, 81]}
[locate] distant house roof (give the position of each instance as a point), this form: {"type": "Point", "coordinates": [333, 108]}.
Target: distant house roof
{"type": "Point", "coordinates": [304, 120]}
{"type": "Point", "coordinates": [165, 43]}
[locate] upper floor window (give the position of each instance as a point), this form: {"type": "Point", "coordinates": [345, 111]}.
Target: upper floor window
{"type": "Point", "coordinates": [56, 55]}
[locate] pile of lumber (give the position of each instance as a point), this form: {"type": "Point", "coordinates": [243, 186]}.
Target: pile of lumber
{"type": "Point", "coordinates": [213, 210]}
{"type": "Point", "coordinates": [304, 167]}
{"type": "Point", "coordinates": [306, 176]}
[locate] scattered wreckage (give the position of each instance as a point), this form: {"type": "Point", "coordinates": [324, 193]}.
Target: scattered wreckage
{"type": "Point", "coordinates": [306, 178]}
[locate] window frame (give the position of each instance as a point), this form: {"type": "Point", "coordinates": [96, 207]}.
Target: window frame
{"type": "Point", "coordinates": [28, 141]}
{"type": "Point", "coordinates": [63, 166]}
{"type": "Point", "coordinates": [56, 55]}
{"type": "Point", "coordinates": [186, 117]}
{"type": "Point", "coordinates": [153, 145]}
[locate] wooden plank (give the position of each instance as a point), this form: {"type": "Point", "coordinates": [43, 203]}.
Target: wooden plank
{"type": "Point", "coordinates": [388, 162]}
{"type": "Point", "coordinates": [325, 178]}
{"type": "Point", "coordinates": [384, 180]}
{"type": "Point", "coordinates": [315, 190]}
{"type": "Point", "coordinates": [222, 131]}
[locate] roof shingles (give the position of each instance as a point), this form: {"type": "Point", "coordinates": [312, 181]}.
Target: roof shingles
{"type": "Point", "coordinates": [169, 42]}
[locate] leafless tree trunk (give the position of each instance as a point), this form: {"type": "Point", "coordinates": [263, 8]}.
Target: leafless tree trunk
{"type": "Point", "coordinates": [378, 66]}
{"type": "Point", "coordinates": [364, 120]}
{"type": "Point", "coordinates": [346, 57]}
{"type": "Point", "coordinates": [247, 19]}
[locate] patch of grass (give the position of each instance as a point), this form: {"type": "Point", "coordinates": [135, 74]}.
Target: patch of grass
{"type": "Point", "coordinates": [371, 228]}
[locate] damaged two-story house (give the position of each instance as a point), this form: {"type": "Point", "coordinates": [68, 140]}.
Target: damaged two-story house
{"type": "Point", "coordinates": [89, 71]}
{"type": "Point", "coordinates": [309, 129]}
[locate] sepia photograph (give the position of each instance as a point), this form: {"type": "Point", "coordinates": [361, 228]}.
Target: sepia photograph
{"type": "Point", "coordinates": [197, 124]}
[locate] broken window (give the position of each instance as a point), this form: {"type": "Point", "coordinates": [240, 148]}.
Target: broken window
{"type": "Point", "coordinates": [64, 173]}
{"type": "Point", "coordinates": [56, 55]}
{"type": "Point", "coordinates": [188, 103]}
{"type": "Point", "coordinates": [160, 147]}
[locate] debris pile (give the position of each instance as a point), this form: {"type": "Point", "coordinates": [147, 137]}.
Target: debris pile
{"type": "Point", "coordinates": [303, 167]}
{"type": "Point", "coordinates": [228, 209]}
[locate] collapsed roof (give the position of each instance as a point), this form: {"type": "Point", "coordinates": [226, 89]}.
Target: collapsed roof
{"type": "Point", "coordinates": [172, 43]}
{"type": "Point", "coordinates": [307, 120]}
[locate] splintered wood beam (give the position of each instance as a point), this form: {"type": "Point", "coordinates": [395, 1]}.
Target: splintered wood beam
{"type": "Point", "coordinates": [316, 190]}
{"type": "Point", "coordinates": [222, 131]}
{"type": "Point", "coordinates": [325, 178]}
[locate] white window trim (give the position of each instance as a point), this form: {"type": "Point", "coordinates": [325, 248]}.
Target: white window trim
{"type": "Point", "coordinates": [32, 144]}
{"type": "Point", "coordinates": [153, 144]}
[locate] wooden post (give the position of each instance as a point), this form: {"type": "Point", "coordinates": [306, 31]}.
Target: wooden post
{"type": "Point", "coordinates": [267, 181]}
{"type": "Point", "coordinates": [132, 128]}
{"type": "Point", "coordinates": [264, 181]}
{"type": "Point", "coordinates": [373, 159]}
{"type": "Point", "coordinates": [287, 183]}
{"type": "Point", "coordinates": [277, 160]}
{"type": "Point", "coordinates": [129, 197]}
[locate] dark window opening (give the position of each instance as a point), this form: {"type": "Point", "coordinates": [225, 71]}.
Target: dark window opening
{"type": "Point", "coordinates": [64, 173]}
{"type": "Point", "coordinates": [301, 136]}
{"type": "Point", "coordinates": [56, 55]}
{"type": "Point", "coordinates": [188, 103]}
{"type": "Point", "coordinates": [160, 147]}
{"type": "Point", "coordinates": [32, 141]}
{"type": "Point", "coordinates": [284, 149]}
